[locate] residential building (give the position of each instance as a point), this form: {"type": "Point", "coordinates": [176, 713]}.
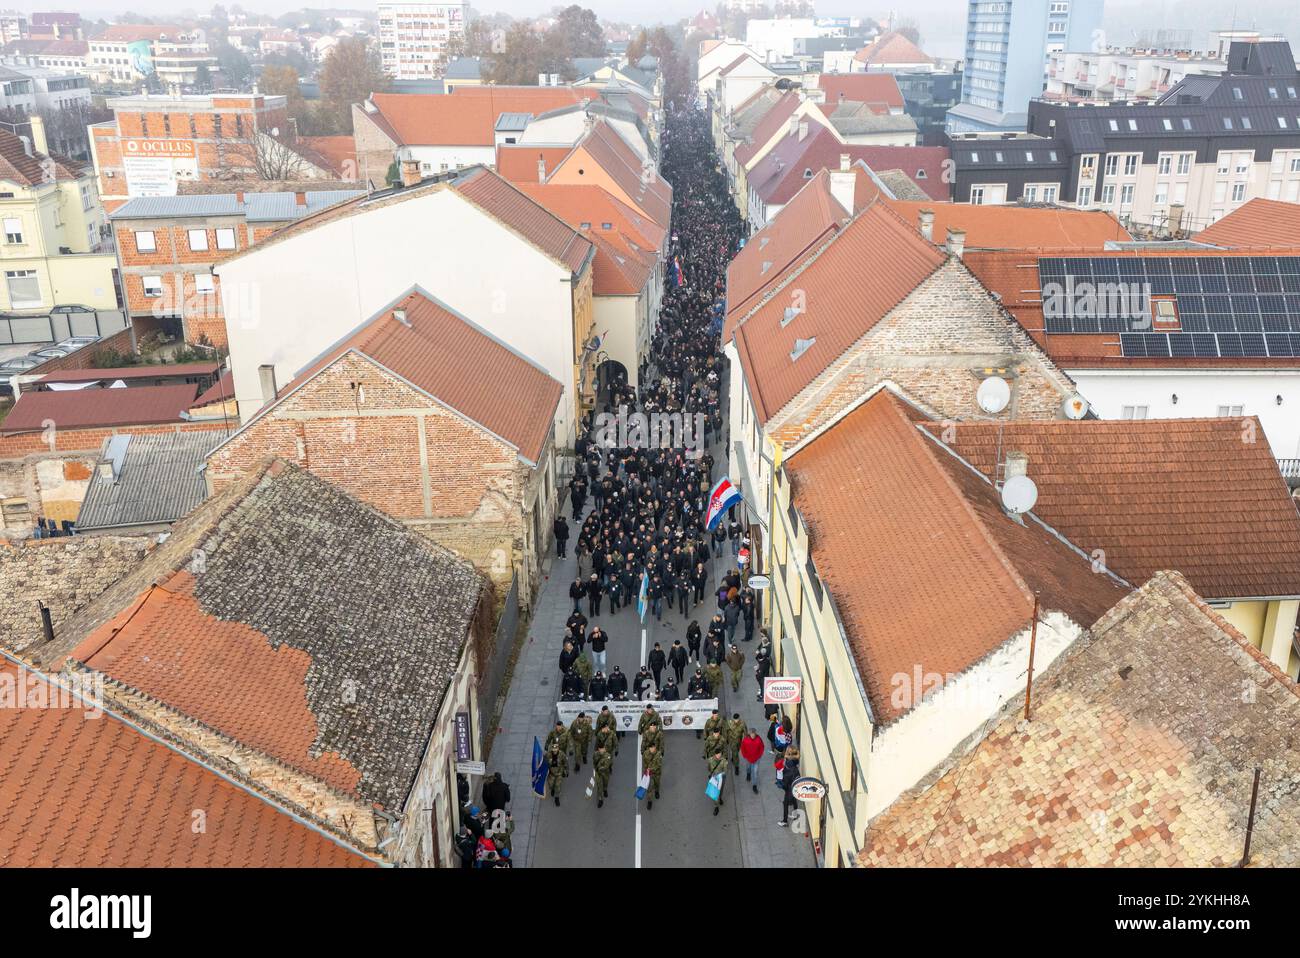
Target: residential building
{"type": "Point", "coordinates": [1152, 332]}
{"type": "Point", "coordinates": [1006, 49]}
{"type": "Point", "coordinates": [16, 93]}
{"type": "Point", "coordinates": [413, 37]}
{"type": "Point", "coordinates": [301, 666]}
{"type": "Point", "coordinates": [1172, 166]}
{"type": "Point", "coordinates": [735, 83]}
{"type": "Point", "coordinates": [484, 482]}
{"type": "Point", "coordinates": [872, 503]}
{"type": "Point", "coordinates": [55, 89]}
{"type": "Point", "coordinates": [928, 95]}
{"type": "Point", "coordinates": [154, 143]}
{"type": "Point", "coordinates": [463, 71]}
{"type": "Point", "coordinates": [55, 25]}
{"type": "Point", "coordinates": [891, 52]}
{"type": "Point", "coordinates": [143, 484]}
{"type": "Point", "coordinates": [465, 235]}
{"type": "Point", "coordinates": [603, 158]}
{"type": "Point", "coordinates": [775, 38]}
{"type": "Point", "coordinates": [98, 408]}
{"type": "Point", "coordinates": [129, 53]}
{"type": "Point", "coordinates": [55, 249]}
{"type": "Point", "coordinates": [1198, 715]}
{"type": "Point", "coordinates": [1124, 74]}
{"type": "Point", "coordinates": [168, 246]}
{"type": "Point", "coordinates": [60, 56]}
{"type": "Point", "coordinates": [13, 27]}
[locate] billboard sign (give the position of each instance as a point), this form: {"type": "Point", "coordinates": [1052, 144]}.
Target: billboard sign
{"type": "Point", "coordinates": [154, 167]}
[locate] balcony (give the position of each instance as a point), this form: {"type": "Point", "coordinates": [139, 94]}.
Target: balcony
{"type": "Point", "coordinates": [1290, 472]}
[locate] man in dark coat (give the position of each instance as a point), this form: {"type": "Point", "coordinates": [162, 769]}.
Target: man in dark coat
{"type": "Point", "coordinates": [496, 794]}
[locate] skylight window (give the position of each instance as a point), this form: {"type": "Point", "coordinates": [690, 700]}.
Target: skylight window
{"type": "Point", "coordinates": [1245, 123]}
{"type": "Point", "coordinates": [1187, 123]}
{"type": "Point", "coordinates": [1167, 123]}
{"type": "Point", "coordinates": [789, 315]}
{"type": "Point", "coordinates": [1133, 124]}
{"type": "Point", "coordinates": [801, 346]}
{"type": "Point", "coordinates": [1237, 94]}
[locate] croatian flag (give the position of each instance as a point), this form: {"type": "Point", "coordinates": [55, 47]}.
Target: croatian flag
{"type": "Point", "coordinates": [677, 262]}
{"type": "Point", "coordinates": [722, 498]}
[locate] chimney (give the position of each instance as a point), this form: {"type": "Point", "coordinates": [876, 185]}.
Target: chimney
{"type": "Point", "coordinates": [1017, 465]}
{"type": "Point", "coordinates": [399, 314]}
{"type": "Point", "coordinates": [266, 374]}
{"type": "Point", "coordinates": [300, 198]}
{"type": "Point", "coordinates": [47, 624]}
{"type": "Point", "coordinates": [794, 126]}
{"type": "Point", "coordinates": [956, 242]}
{"type": "Point", "coordinates": [843, 184]}
{"type": "Point", "coordinates": [39, 143]}
{"type": "Point", "coordinates": [239, 197]}
{"type": "Point", "coordinates": [844, 161]}
{"type": "Point", "coordinates": [927, 225]}
{"type": "Point", "coordinates": [1175, 218]}
{"type": "Point", "coordinates": [803, 130]}
{"type": "Point", "coordinates": [410, 172]}
{"type": "Point", "coordinates": [541, 168]}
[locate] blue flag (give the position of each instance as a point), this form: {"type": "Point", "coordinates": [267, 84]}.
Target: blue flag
{"type": "Point", "coordinates": [541, 769]}
{"type": "Point", "coordinates": [640, 599]}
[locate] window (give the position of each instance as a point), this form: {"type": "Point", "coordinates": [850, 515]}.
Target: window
{"type": "Point", "coordinates": [198, 240]}
{"type": "Point", "coordinates": [1162, 194]}
{"type": "Point", "coordinates": [152, 285]}
{"type": "Point", "coordinates": [203, 283]}
{"type": "Point", "coordinates": [1272, 93]}
{"type": "Point", "coordinates": [1184, 163]}
{"type": "Point", "coordinates": [1167, 123]}
{"type": "Point", "coordinates": [1133, 412]}
{"type": "Point", "coordinates": [1230, 411]}
{"type": "Point", "coordinates": [1112, 164]}
{"type": "Point", "coordinates": [1131, 164]}
{"type": "Point", "coordinates": [1281, 122]}
{"type": "Point", "coordinates": [1243, 163]}
{"type": "Point", "coordinates": [1029, 155]}
{"type": "Point", "coordinates": [1164, 164]}
{"type": "Point", "coordinates": [1295, 164]}
{"type": "Point", "coordinates": [1227, 123]}
{"type": "Point", "coordinates": [24, 288]}
{"type": "Point", "coordinates": [976, 195]}
{"type": "Point", "coordinates": [1245, 123]}
{"type": "Point", "coordinates": [1238, 192]}
{"type": "Point", "coordinates": [1031, 193]}
{"type": "Point", "coordinates": [1085, 196]}
{"type": "Point", "coordinates": [1126, 196]}
{"type": "Point", "coordinates": [144, 242]}
{"type": "Point", "coordinates": [1049, 193]}
{"type": "Point", "coordinates": [1225, 161]}
{"type": "Point", "coordinates": [1187, 123]}
{"type": "Point", "coordinates": [225, 239]}
{"type": "Point", "coordinates": [1108, 195]}
{"type": "Point", "coordinates": [1237, 94]}
{"type": "Point", "coordinates": [1114, 126]}
{"type": "Point", "coordinates": [1133, 125]}
{"type": "Point", "coordinates": [13, 230]}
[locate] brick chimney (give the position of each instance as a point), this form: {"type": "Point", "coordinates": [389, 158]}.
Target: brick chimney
{"type": "Point", "coordinates": [39, 143]}
{"type": "Point", "coordinates": [239, 197]}
{"type": "Point", "coordinates": [843, 184]}
{"type": "Point", "coordinates": [410, 172]}
{"type": "Point", "coordinates": [927, 224]}
{"type": "Point", "coordinates": [956, 242]}
{"type": "Point", "coordinates": [541, 168]}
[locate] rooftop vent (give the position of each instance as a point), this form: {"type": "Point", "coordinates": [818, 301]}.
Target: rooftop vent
{"type": "Point", "coordinates": [767, 264]}
{"type": "Point", "coordinates": [400, 316]}
{"type": "Point", "coordinates": [788, 318]}
{"type": "Point", "coordinates": [801, 346]}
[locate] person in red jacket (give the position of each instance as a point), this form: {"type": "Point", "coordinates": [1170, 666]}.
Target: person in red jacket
{"type": "Point", "coordinates": [751, 750]}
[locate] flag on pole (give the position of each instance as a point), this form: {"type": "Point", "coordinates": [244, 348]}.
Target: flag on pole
{"type": "Point", "coordinates": [640, 598]}
{"type": "Point", "coordinates": [722, 498]}
{"type": "Point", "coordinates": [541, 769]}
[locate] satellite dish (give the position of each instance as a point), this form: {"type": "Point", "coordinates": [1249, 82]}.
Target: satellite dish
{"type": "Point", "coordinates": [1075, 407]}
{"type": "Point", "coordinates": [1019, 495]}
{"type": "Point", "coordinates": [993, 395]}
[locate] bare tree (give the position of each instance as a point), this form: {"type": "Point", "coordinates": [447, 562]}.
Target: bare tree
{"type": "Point", "coordinates": [265, 157]}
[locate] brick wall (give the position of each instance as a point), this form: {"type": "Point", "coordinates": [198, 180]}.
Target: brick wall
{"type": "Point", "coordinates": [84, 358]}
{"type": "Point", "coordinates": [935, 345]}
{"type": "Point", "coordinates": [469, 492]}
{"type": "Point", "coordinates": [89, 440]}
{"type": "Point", "coordinates": [375, 149]}
{"type": "Point", "coordinates": [66, 574]}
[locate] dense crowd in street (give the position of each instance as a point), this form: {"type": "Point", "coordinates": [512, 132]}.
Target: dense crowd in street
{"type": "Point", "coordinates": [638, 525]}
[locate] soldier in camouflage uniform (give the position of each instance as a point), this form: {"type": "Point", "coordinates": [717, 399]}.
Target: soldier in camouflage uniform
{"type": "Point", "coordinates": [735, 732]}
{"type": "Point", "coordinates": [559, 737]}
{"type": "Point", "coordinates": [712, 724]}
{"type": "Point", "coordinates": [735, 662]}
{"type": "Point", "coordinates": [652, 761]}
{"type": "Point", "coordinates": [718, 763]}
{"type": "Point", "coordinates": [606, 720]}
{"type": "Point", "coordinates": [716, 742]}
{"type": "Point", "coordinates": [647, 717]}
{"type": "Point", "coordinates": [652, 736]}
{"type": "Point", "coordinates": [607, 738]}
{"type": "Point", "coordinates": [604, 766]}
{"type": "Point", "coordinates": [559, 762]}
{"type": "Point", "coordinates": [580, 738]}
{"type": "Point", "coordinates": [713, 672]}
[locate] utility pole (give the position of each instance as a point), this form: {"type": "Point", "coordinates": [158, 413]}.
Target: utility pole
{"type": "Point", "coordinates": [1029, 681]}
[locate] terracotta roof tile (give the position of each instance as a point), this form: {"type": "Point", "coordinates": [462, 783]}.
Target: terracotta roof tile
{"type": "Point", "coordinates": [849, 284]}
{"type": "Point", "coordinates": [1141, 751]}
{"type": "Point", "coordinates": [504, 201]}
{"type": "Point", "coordinates": [879, 90]}
{"type": "Point", "coordinates": [466, 117]}
{"type": "Point", "coordinates": [1018, 227]}
{"type": "Point", "coordinates": [924, 566]}
{"type": "Point", "coordinates": [1185, 494]}
{"type": "Point", "coordinates": [91, 408]}
{"type": "Point", "coordinates": [93, 792]}
{"type": "Point", "coordinates": [1258, 224]}
{"type": "Point", "coordinates": [518, 163]}
{"type": "Point", "coordinates": [776, 118]}
{"type": "Point", "coordinates": [652, 195]}
{"type": "Point", "coordinates": [892, 47]}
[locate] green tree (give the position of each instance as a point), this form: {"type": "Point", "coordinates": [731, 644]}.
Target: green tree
{"type": "Point", "coordinates": [234, 66]}
{"type": "Point", "coordinates": [350, 74]}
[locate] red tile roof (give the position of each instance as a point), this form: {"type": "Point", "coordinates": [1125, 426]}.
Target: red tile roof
{"type": "Point", "coordinates": [651, 194]}
{"type": "Point", "coordinates": [807, 221]}
{"type": "Point", "coordinates": [1183, 494]}
{"type": "Point", "coordinates": [518, 163]}
{"type": "Point", "coordinates": [1259, 223]}
{"type": "Point", "coordinates": [776, 119]}
{"type": "Point", "coordinates": [468, 116]}
{"type": "Point", "coordinates": [924, 567]}
{"type": "Point", "coordinates": [444, 354]}
{"type": "Point", "coordinates": [1012, 275]}
{"type": "Point", "coordinates": [128, 32]}
{"type": "Point", "coordinates": [94, 792]}
{"type": "Point", "coordinates": [848, 285]}
{"type": "Point", "coordinates": [1017, 227]}
{"type": "Point", "coordinates": [507, 204]}
{"type": "Point", "coordinates": [223, 390]}
{"type": "Point", "coordinates": [878, 90]}
{"type": "Point", "coordinates": [163, 371]}
{"type": "Point", "coordinates": [94, 408]}
{"type": "Point", "coordinates": [28, 169]}
{"type": "Point", "coordinates": [783, 171]}
{"type": "Point", "coordinates": [892, 47]}
{"type": "Point", "coordinates": [335, 154]}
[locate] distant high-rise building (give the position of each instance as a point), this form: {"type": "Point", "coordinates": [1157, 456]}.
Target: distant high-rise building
{"type": "Point", "coordinates": [413, 37]}
{"type": "Point", "coordinates": [1007, 44]}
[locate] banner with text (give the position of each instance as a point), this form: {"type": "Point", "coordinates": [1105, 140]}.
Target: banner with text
{"type": "Point", "coordinates": [687, 714]}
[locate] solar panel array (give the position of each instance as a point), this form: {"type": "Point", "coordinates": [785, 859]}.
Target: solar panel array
{"type": "Point", "coordinates": [1227, 305]}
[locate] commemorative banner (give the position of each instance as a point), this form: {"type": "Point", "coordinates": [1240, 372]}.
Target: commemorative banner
{"type": "Point", "coordinates": [686, 714]}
